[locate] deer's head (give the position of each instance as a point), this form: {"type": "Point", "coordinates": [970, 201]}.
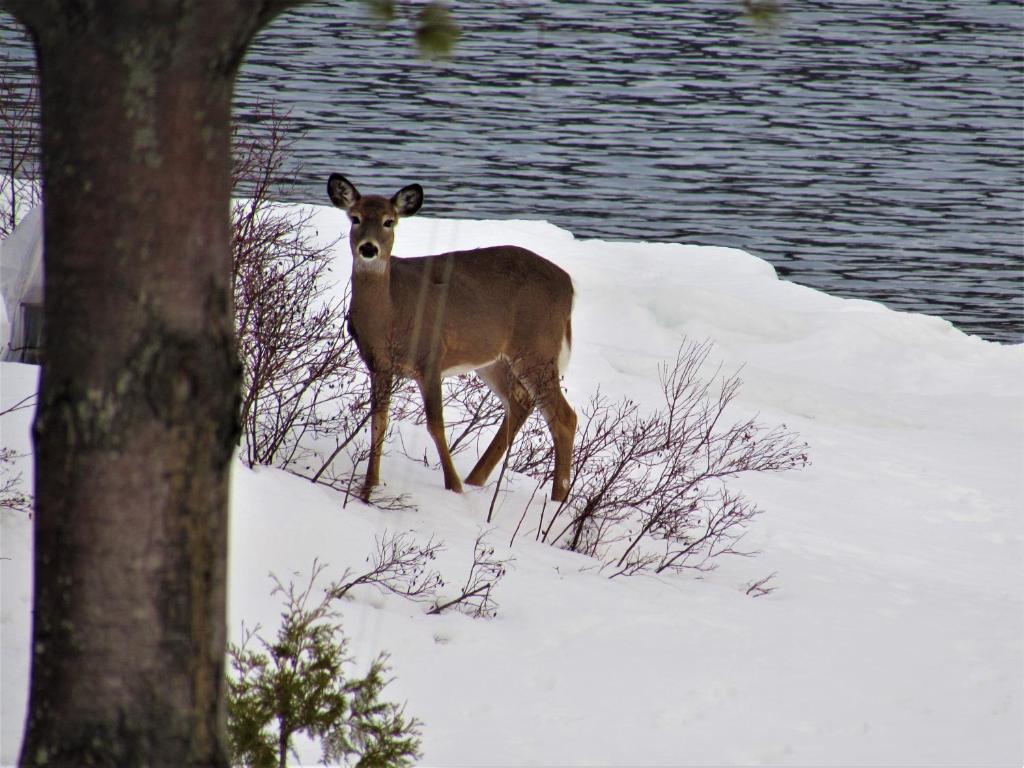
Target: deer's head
{"type": "Point", "coordinates": [373, 219]}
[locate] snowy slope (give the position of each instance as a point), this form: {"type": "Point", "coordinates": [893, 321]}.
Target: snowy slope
{"type": "Point", "coordinates": [895, 635]}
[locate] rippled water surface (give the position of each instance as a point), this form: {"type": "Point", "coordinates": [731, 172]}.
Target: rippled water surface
{"type": "Point", "coordinates": [869, 148]}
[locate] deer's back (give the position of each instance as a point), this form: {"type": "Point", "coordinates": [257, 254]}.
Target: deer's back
{"type": "Point", "coordinates": [502, 299]}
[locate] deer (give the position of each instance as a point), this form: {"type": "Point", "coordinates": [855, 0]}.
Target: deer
{"type": "Point", "coordinates": [503, 312]}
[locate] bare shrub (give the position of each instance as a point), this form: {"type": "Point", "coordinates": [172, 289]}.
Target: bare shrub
{"type": "Point", "coordinates": [302, 374]}
{"type": "Point", "coordinates": [647, 490]}
{"type": "Point", "coordinates": [13, 497]}
{"type": "Point", "coordinates": [400, 566]}
{"type": "Point", "coordinates": [19, 147]}
{"type": "Point", "coordinates": [476, 598]}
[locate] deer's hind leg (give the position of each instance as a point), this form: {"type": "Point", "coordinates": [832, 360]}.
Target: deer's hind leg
{"type": "Point", "coordinates": [561, 420]}
{"type": "Point", "coordinates": [518, 404]}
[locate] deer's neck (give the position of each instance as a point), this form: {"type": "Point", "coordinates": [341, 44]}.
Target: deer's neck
{"type": "Point", "coordinates": [371, 317]}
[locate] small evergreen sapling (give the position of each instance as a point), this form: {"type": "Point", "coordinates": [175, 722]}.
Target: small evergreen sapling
{"type": "Point", "coordinates": [297, 684]}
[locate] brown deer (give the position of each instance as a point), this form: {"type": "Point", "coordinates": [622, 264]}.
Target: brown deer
{"type": "Point", "coordinates": [504, 312]}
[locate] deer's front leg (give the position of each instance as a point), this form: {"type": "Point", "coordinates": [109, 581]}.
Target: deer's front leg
{"type": "Point", "coordinates": [430, 388]}
{"type": "Point", "coordinates": [380, 401]}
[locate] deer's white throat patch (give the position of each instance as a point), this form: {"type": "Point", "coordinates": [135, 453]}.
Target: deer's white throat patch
{"type": "Point", "coordinates": [374, 266]}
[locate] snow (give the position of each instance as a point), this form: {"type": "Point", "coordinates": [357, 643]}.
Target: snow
{"type": "Point", "coordinates": [21, 277]}
{"type": "Point", "coordinates": [896, 632]}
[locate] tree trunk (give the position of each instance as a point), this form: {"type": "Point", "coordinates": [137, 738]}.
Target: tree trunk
{"type": "Point", "coordinates": [283, 737]}
{"type": "Point", "coordinates": [137, 417]}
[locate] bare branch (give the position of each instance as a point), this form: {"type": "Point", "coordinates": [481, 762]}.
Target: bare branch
{"type": "Point", "coordinates": [760, 587]}
{"type": "Point", "coordinates": [476, 597]}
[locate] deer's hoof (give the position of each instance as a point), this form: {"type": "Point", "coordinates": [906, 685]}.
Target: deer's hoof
{"type": "Point", "coordinates": [560, 490]}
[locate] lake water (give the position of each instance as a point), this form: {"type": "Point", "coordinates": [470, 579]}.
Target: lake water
{"type": "Point", "coordinates": [870, 148]}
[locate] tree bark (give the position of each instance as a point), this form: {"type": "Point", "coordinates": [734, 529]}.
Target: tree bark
{"type": "Point", "coordinates": [137, 417]}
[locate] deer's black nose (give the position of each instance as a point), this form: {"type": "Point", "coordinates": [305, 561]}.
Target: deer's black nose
{"type": "Point", "coordinates": [368, 250]}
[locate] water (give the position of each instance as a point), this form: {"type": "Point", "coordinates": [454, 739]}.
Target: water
{"type": "Point", "coordinates": [871, 148]}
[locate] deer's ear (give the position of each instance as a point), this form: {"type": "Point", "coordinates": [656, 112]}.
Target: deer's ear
{"type": "Point", "coordinates": [408, 200]}
{"type": "Point", "coordinates": [343, 193]}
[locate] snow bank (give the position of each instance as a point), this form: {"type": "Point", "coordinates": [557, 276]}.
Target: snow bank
{"type": "Point", "coordinates": [895, 635]}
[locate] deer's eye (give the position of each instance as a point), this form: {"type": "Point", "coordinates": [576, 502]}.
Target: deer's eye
{"type": "Point", "coordinates": [354, 219]}
{"type": "Point", "coordinates": [389, 223]}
